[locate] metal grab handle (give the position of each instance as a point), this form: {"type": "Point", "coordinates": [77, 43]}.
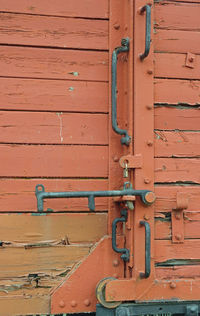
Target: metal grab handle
{"type": "Point", "coordinates": [147, 272]}
{"type": "Point", "coordinates": [147, 8]}
{"type": "Point", "coordinates": [125, 252]}
{"type": "Point", "coordinates": [125, 140]}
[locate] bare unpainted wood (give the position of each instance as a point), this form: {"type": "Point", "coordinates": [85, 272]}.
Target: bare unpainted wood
{"type": "Point", "coordinates": [177, 144]}
{"type": "Point", "coordinates": [53, 128]}
{"type": "Point", "coordinates": [32, 229]}
{"type": "Point", "coordinates": [191, 226]}
{"type": "Point", "coordinates": [165, 250]}
{"type": "Point", "coordinates": [24, 304]}
{"type": "Point", "coordinates": [166, 197]}
{"type": "Point", "coordinates": [53, 161]}
{"type": "Point", "coordinates": [53, 95]}
{"type": "Point", "coordinates": [176, 41]}
{"type": "Point", "coordinates": [181, 91]}
{"type": "Point", "coordinates": [169, 118]}
{"type": "Point", "coordinates": [21, 29]}
{"type": "Point", "coordinates": [177, 16]}
{"type": "Point", "coordinates": [53, 64]}
{"type": "Point", "coordinates": [73, 8]}
{"type": "Point", "coordinates": [177, 170]}
{"type": "Point", "coordinates": [175, 272]}
{"type": "Point", "coordinates": [173, 66]}
{"type": "Point", "coordinates": [19, 194]}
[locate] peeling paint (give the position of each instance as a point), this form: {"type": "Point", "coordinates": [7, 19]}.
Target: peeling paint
{"type": "Point", "coordinates": [71, 89]}
{"type": "Point", "coordinates": [74, 73]}
{"type": "Point", "coordinates": [61, 126]}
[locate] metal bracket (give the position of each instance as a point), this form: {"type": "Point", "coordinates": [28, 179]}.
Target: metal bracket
{"type": "Point", "coordinates": [147, 197]}
{"type": "Point", "coordinates": [177, 218]}
{"type": "Point", "coordinates": [190, 60]}
{"type": "Point", "coordinates": [131, 161]}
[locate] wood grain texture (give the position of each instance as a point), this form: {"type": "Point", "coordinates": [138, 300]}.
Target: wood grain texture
{"type": "Point", "coordinates": [175, 170]}
{"type": "Point", "coordinates": [177, 144]}
{"type": "Point", "coordinates": [21, 29]}
{"type": "Point", "coordinates": [53, 95]}
{"type": "Point", "coordinates": [191, 226]}
{"type": "Point", "coordinates": [169, 118]}
{"type": "Point", "coordinates": [176, 41]}
{"type": "Point", "coordinates": [53, 128]}
{"type": "Point", "coordinates": [165, 250]}
{"type": "Point", "coordinates": [19, 194]}
{"type": "Point", "coordinates": [166, 197]}
{"type": "Point", "coordinates": [73, 8]}
{"type": "Point", "coordinates": [33, 229]}
{"type": "Point", "coordinates": [173, 66]}
{"type": "Point", "coordinates": [53, 161]}
{"type": "Point", "coordinates": [53, 64]}
{"type": "Point", "coordinates": [181, 91]}
{"type": "Point", "coordinates": [177, 16]}
{"type": "Point", "coordinates": [178, 272]}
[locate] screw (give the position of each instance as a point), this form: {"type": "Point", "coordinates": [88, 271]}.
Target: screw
{"type": "Point", "coordinates": [87, 302]}
{"type": "Point", "coordinates": [172, 285]}
{"type": "Point", "coordinates": [73, 304]}
{"type": "Point", "coordinates": [62, 304]}
{"type": "Point", "coordinates": [147, 180]}
{"type": "Point", "coordinates": [116, 26]}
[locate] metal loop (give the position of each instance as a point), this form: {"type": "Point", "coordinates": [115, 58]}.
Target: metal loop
{"type": "Point", "coordinates": [147, 8]}
{"type": "Point", "coordinates": [147, 272]}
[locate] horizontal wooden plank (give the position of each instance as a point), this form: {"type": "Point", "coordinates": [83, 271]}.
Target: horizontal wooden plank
{"type": "Point", "coordinates": [176, 41]}
{"type": "Point", "coordinates": [53, 161]}
{"type": "Point", "coordinates": [17, 262]}
{"type": "Point", "coordinates": [53, 95]}
{"type": "Point", "coordinates": [179, 16]}
{"type": "Point", "coordinates": [175, 272]}
{"type": "Point", "coordinates": [166, 197]}
{"type": "Point", "coordinates": [31, 229]}
{"type": "Point", "coordinates": [165, 250]}
{"type": "Point", "coordinates": [175, 170]}
{"type": "Point", "coordinates": [73, 8]}
{"type": "Point", "coordinates": [19, 194]}
{"type": "Point", "coordinates": [169, 118]}
{"type": "Point", "coordinates": [191, 226]}
{"type": "Point", "coordinates": [177, 144]}
{"type": "Point", "coordinates": [53, 64]}
{"type": "Point", "coordinates": [53, 128]}
{"type": "Point", "coordinates": [173, 66]}
{"type": "Point", "coordinates": [21, 29]}
{"type": "Point", "coordinates": [181, 91]}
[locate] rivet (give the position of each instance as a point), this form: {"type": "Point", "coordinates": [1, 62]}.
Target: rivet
{"type": "Point", "coordinates": [62, 304]}
{"type": "Point", "coordinates": [149, 143]}
{"type": "Point", "coordinates": [178, 237]}
{"type": "Point", "coordinates": [116, 26]}
{"type": "Point", "coordinates": [149, 107]}
{"type": "Point", "coordinates": [172, 285]}
{"type": "Point", "coordinates": [191, 59]}
{"type": "Point", "coordinates": [87, 302]}
{"type": "Point", "coordinates": [147, 180]}
{"type": "Point", "coordinates": [73, 304]}
{"type": "Point", "coordinates": [149, 71]}
{"type": "Point", "coordinates": [116, 159]}
{"type": "Point", "coordinates": [146, 217]}
{"type": "Point", "coordinates": [126, 27]}
{"type": "Point", "coordinates": [177, 216]}
{"type": "Point", "coordinates": [115, 263]}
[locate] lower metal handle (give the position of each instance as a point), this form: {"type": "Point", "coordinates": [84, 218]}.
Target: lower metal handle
{"type": "Point", "coordinates": [147, 272]}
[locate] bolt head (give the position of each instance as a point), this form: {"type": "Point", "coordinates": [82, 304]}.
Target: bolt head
{"type": "Point", "coordinates": [147, 180]}
{"type": "Point", "coordinates": [178, 236]}
{"type": "Point", "coordinates": [191, 59]}
{"type": "Point", "coordinates": [150, 143]}
{"type": "Point", "coordinates": [73, 303]}
{"type": "Point", "coordinates": [62, 304]}
{"type": "Point", "coordinates": [172, 285]}
{"type": "Point", "coordinates": [149, 107]}
{"type": "Point", "coordinates": [116, 159]}
{"type": "Point", "coordinates": [87, 302]}
{"type": "Point", "coordinates": [116, 26]}
{"type": "Point", "coordinates": [149, 71]}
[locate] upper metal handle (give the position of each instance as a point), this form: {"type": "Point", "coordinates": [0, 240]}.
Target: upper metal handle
{"type": "Point", "coordinates": [147, 272]}
{"type": "Point", "coordinates": [125, 140]}
{"type": "Point", "coordinates": [147, 8]}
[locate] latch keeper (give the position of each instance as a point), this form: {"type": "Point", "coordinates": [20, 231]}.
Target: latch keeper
{"type": "Point", "coordinates": [131, 161]}
{"type": "Point", "coordinates": [177, 218]}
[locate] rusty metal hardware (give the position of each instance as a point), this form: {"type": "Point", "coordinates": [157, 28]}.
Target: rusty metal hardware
{"type": "Point", "coordinates": [125, 140]}
{"type": "Point", "coordinates": [100, 294]}
{"type": "Point", "coordinates": [131, 161]}
{"type": "Point", "coordinates": [91, 195]}
{"type": "Point", "coordinates": [125, 252]}
{"type": "Point", "coordinates": [177, 218]}
{"type": "Point", "coordinates": [190, 60]}
{"type": "Point", "coordinates": [125, 171]}
{"type": "Point", "coordinates": [147, 272]}
{"type": "Point", "coordinates": [147, 8]}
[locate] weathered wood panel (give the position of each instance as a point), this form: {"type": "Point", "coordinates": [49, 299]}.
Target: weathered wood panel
{"type": "Point", "coordinates": [177, 144]}
{"type": "Point", "coordinates": [191, 226]}
{"type": "Point", "coordinates": [56, 161]}
{"type": "Point", "coordinates": [177, 16]}
{"type": "Point", "coordinates": [32, 230]}
{"type": "Point", "coordinates": [176, 41]}
{"type": "Point", "coordinates": [73, 8]}
{"type": "Point", "coordinates": [175, 170]}
{"type": "Point", "coordinates": [166, 197]}
{"type": "Point", "coordinates": [19, 194]}
{"type": "Point", "coordinates": [178, 272]}
{"type": "Point", "coordinates": [181, 91]}
{"type": "Point", "coordinates": [53, 128]}
{"type": "Point", "coordinates": [53, 64]}
{"type": "Point", "coordinates": [21, 29]}
{"type": "Point", "coordinates": [169, 118]}
{"type": "Point", "coordinates": [53, 95]}
{"type": "Point", "coordinates": [165, 250]}
{"type": "Point", "coordinates": [173, 66]}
